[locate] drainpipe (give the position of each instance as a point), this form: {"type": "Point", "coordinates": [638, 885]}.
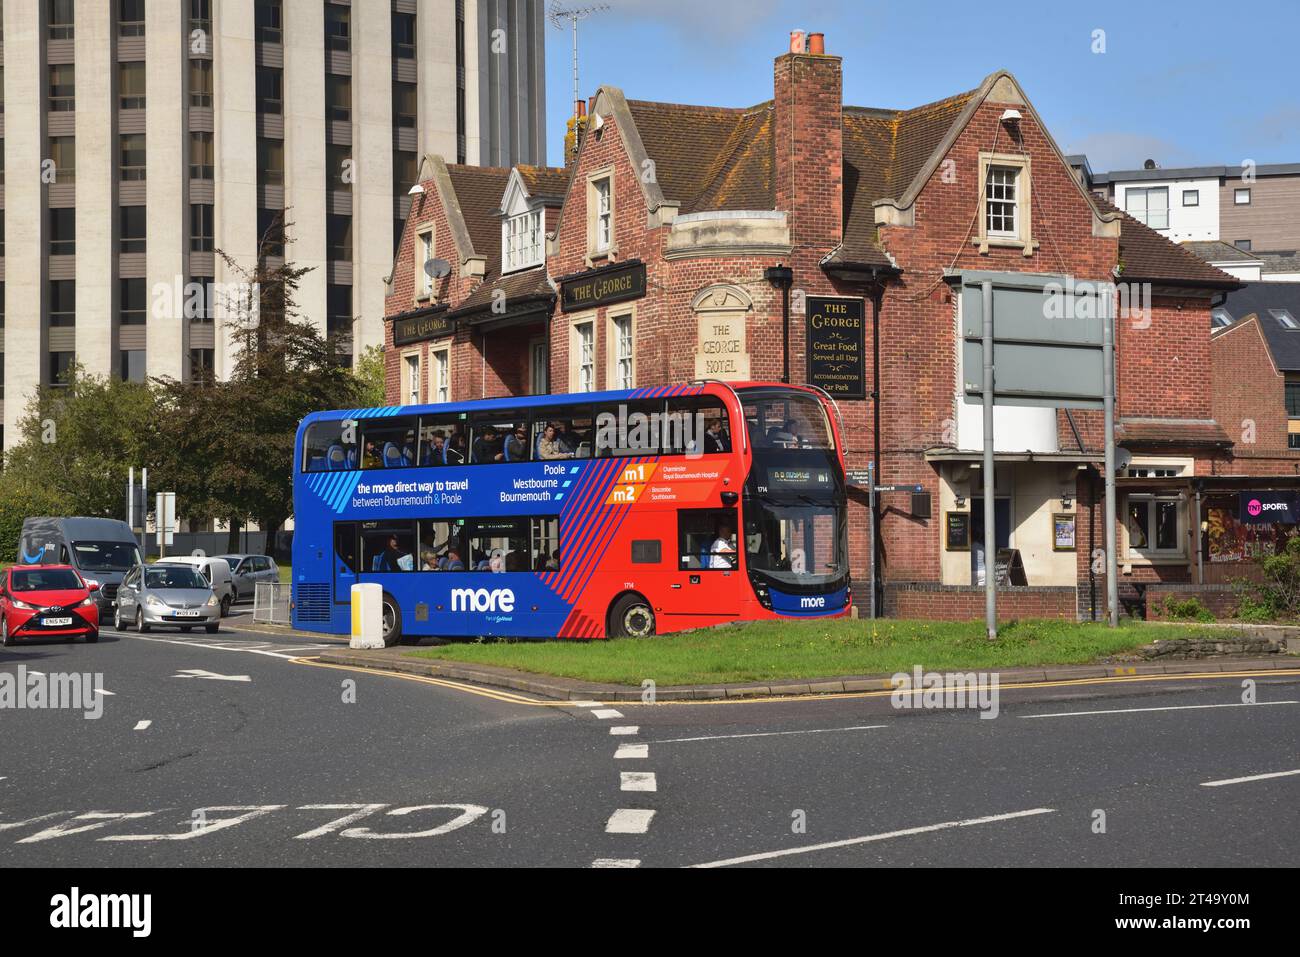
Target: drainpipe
{"type": "Point", "coordinates": [782, 277]}
{"type": "Point", "coordinates": [877, 548]}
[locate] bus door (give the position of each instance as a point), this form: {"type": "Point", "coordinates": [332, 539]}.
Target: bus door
{"type": "Point", "coordinates": [344, 560]}
{"type": "Point", "coordinates": [709, 579]}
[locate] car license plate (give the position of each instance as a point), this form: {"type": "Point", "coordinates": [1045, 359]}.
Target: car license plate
{"type": "Point", "coordinates": [56, 622]}
{"type": "Point", "coordinates": [186, 613]}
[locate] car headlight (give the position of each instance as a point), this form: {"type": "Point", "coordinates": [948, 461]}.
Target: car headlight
{"type": "Point", "coordinates": [23, 605]}
{"type": "Point", "coordinates": [89, 600]}
{"type": "Point", "coordinates": [154, 602]}
{"type": "Point", "coordinates": [212, 599]}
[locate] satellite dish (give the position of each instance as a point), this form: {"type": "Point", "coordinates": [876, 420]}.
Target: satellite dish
{"type": "Point", "coordinates": [437, 268]}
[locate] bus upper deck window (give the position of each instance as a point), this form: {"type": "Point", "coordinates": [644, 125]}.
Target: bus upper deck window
{"type": "Point", "coordinates": [330, 446]}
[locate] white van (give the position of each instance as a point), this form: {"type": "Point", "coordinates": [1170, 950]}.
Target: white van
{"type": "Point", "coordinates": [215, 570]}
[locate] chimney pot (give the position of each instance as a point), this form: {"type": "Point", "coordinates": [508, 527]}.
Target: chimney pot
{"type": "Point", "coordinates": [817, 44]}
{"type": "Point", "coordinates": [798, 41]}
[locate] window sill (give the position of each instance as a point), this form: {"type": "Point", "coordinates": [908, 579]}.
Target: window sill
{"type": "Point", "coordinates": [1144, 561]}
{"type": "Point", "coordinates": [603, 256]}
{"type": "Point", "coordinates": [1027, 246]}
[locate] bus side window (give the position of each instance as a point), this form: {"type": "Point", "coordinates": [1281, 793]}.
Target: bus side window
{"type": "Point", "coordinates": [388, 547]}
{"type": "Point", "coordinates": [706, 539]}
{"type": "Point", "coordinates": [330, 446]}
{"type": "Point", "coordinates": [629, 429]}
{"type": "Point", "coordinates": [345, 546]}
{"type": "Point", "coordinates": [546, 544]}
{"type": "Point", "coordinates": [696, 426]}
{"type": "Point", "coordinates": [389, 443]}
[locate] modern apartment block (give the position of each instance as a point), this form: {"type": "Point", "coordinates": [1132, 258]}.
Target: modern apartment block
{"type": "Point", "coordinates": [1255, 207]}
{"type": "Point", "coordinates": [141, 137]}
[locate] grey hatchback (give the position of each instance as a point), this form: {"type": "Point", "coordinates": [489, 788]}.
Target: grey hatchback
{"type": "Point", "coordinates": [169, 595]}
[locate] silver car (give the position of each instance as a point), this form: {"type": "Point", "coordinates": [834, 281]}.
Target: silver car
{"type": "Point", "coordinates": [248, 570]}
{"type": "Point", "coordinates": [175, 596]}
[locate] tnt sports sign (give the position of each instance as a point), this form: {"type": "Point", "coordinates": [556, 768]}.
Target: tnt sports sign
{"type": "Point", "coordinates": [483, 600]}
{"type": "Point", "coordinates": [1269, 508]}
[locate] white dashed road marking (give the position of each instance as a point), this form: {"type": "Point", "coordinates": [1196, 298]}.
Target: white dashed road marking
{"type": "Point", "coordinates": [629, 821]}
{"type": "Point", "coordinates": [638, 781]}
{"type": "Point", "coordinates": [615, 862]}
{"type": "Point", "coordinates": [626, 751]}
{"type": "Point", "coordinates": [969, 822]}
{"type": "Point", "coordinates": [585, 704]}
{"type": "Point", "coordinates": [1253, 777]}
{"type": "Point", "coordinates": [624, 729]}
{"type": "Point", "coordinates": [142, 725]}
{"type": "Point", "coordinates": [606, 713]}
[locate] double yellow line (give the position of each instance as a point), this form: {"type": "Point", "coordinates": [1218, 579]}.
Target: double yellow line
{"type": "Point", "coordinates": [512, 698]}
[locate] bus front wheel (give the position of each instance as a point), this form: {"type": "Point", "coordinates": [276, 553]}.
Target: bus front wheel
{"type": "Point", "coordinates": [631, 617]}
{"type": "Point", "coordinates": [392, 622]}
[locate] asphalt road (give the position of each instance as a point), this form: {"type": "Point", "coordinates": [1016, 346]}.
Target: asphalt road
{"type": "Point", "coordinates": [226, 751]}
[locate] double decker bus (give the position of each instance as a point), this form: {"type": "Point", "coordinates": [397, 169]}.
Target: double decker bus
{"type": "Point", "coordinates": [601, 514]}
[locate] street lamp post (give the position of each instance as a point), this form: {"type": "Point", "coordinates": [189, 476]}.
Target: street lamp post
{"type": "Point", "coordinates": [782, 277]}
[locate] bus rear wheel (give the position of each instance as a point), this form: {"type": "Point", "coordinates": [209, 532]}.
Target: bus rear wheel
{"type": "Point", "coordinates": [392, 622]}
{"type": "Point", "coordinates": [631, 617]}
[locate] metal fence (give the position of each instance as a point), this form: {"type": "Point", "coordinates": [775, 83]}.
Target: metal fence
{"type": "Point", "coordinates": [271, 603]}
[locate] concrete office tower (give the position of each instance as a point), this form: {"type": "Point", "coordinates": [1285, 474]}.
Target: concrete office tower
{"type": "Point", "coordinates": [140, 136]}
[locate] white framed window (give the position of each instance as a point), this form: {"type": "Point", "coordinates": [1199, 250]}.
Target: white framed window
{"type": "Point", "coordinates": [1001, 205]}
{"type": "Point", "coordinates": [600, 214]}
{"type": "Point", "coordinates": [1148, 205]}
{"type": "Point", "coordinates": [424, 249]}
{"type": "Point", "coordinates": [521, 241]}
{"type": "Point", "coordinates": [1221, 318]}
{"type": "Point", "coordinates": [1241, 197]}
{"type": "Point", "coordinates": [1191, 197]}
{"type": "Point", "coordinates": [440, 375]}
{"type": "Point", "coordinates": [623, 346]}
{"type": "Point", "coordinates": [411, 378]}
{"type": "Point", "coordinates": [1155, 525]}
{"type": "Point", "coordinates": [1004, 219]}
{"type": "Point", "coordinates": [584, 356]}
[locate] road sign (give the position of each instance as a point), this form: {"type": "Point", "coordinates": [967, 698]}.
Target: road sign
{"type": "Point", "coordinates": [900, 488]}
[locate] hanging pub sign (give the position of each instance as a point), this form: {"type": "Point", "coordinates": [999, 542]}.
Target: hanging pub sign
{"type": "Point", "coordinates": [1270, 508]}
{"type": "Point", "coordinates": [836, 337]}
{"type": "Point", "coordinates": [601, 287]}
{"type": "Point", "coordinates": [419, 326]}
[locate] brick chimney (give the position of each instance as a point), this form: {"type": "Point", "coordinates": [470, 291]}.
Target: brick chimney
{"type": "Point", "coordinates": [808, 139]}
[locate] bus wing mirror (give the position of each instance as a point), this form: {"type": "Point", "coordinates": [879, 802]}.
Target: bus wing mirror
{"type": "Point", "coordinates": [729, 499]}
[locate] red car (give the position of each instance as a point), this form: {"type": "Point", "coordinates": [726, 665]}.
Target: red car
{"type": "Point", "coordinates": [47, 601]}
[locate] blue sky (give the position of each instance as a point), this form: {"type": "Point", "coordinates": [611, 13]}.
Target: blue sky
{"type": "Point", "coordinates": [1190, 83]}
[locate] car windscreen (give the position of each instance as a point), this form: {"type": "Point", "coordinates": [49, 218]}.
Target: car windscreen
{"type": "Point", "coordinates": [174, 576]}
{"type": "Point", "coordinates": [44, 579]}
{"type": "Point", "coordinates": [106, 556]}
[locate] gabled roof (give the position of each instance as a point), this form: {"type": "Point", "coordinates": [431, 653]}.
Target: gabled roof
{"type": "Point", "coordinates": [479, 191]}
{"type": "Point", "coordinates": [549, 184]}
{"type": "Point", "coordinates": [1257, 298]}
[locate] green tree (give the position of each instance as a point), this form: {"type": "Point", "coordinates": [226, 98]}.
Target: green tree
{"type": "Point", "coordinates": [23, 497]}
{"type": "Point", "coordinates": [371, 375]}
{"type": "Point", "coordinates": [79, 438]}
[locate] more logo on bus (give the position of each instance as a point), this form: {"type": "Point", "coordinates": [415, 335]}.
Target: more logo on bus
{"type": "Point", "coordinates": [816, 602]}
{"type": "Point", "coordinates": [482, 599]}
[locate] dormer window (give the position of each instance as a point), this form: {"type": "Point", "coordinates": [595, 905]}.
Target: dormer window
{"type": "Point", "coordinates": [521, 241]}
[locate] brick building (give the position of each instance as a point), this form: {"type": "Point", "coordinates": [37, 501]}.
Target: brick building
{"type": "Point", "coordinates": [668, 238]}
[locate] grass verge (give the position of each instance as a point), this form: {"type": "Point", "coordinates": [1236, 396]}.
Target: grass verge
{"type": "Point", "coordinates": [771, 650]}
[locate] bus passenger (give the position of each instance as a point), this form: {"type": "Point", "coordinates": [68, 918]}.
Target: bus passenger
{"type": "Point", "coordinates": [428, 561]}
{"type": "Point", "coordinates": [517, 445]}
{"type": "Point", "coordinates": [486, 447]}
{"type": "Point", "coordinates": [550, 446]}
{"type": "Point", "coordinates": [715, 440]}
{"type": "Point", "coordinates": [451, 561]}
{"type": "Point", "coordinates": [457, 451]}
{"type": "Point", "coordinates": [370, 459]}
